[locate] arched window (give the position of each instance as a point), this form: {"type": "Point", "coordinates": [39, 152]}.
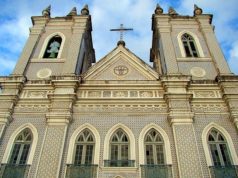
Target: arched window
{"type": "Point", "coordinates": [21, 147]}
{"type": "Point", "coordinates": [189, 45]}
{"type": "Point", "coordinates": [84, 148]}
{"type": "Point", "coordinates": [53, 47]}
{"type": "Point", "coordinates": [218, 148]}
{"type": "Point", "coordinates": [154, 148]}
{"type": "Point", "coordinates": [119, 149]}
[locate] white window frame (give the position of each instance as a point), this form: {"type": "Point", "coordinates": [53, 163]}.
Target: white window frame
{"type": "Point", "coordinates": [10, 143]}
{"type": "Point", "coordinates": [230, 145]}
{"type": "Point", "coordinates": [167, 149]}
{"type": "Point", "coordinates": [45, 44]}
{"type": "Point", "coordinates": [196, 43]}
{"type": "Point", "coordinates": [132, 149]}
{"type": "Point", "coordinates": [74, 136]}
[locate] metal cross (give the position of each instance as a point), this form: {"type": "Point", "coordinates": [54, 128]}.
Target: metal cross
{"type": "Point", "coordinates": [121, 30]}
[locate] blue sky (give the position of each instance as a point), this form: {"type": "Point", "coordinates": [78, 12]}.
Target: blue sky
{"type": "Point", "coordinates": [106, 14]}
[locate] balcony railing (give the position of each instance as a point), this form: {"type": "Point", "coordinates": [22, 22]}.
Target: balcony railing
{"type": "Point", "coordinates": [14, 171]}
{"type": "Point", "coordinates": [81, 171]}
{"type": "Point", "coordinates": [230, 171]}
{"type": "Point", "coordinates": [156, 171]}
{"type": "Point", "coordinates": [119, 163]}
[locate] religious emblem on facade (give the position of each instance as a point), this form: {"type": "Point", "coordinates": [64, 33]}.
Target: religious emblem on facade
{"type": "Point", "coordinates": [121, 70]}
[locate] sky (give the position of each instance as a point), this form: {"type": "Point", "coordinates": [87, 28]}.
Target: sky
{"type": "Point", "coordinates": [15, 22]}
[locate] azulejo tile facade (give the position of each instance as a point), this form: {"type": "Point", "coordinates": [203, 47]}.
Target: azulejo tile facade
{"type": "Point", "coordinates": [61, 116]}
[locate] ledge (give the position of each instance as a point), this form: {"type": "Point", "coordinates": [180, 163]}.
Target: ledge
{"type": "Point", "coordinates": [118, 169]}
{"type": "Point", "coordinates": [48, 60]}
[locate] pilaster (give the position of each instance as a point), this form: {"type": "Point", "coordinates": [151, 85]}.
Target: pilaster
{"type": "Point", "coordinates": [79, 28]}
{"type": "Point", "coordinates": [229, 87]}
{"type": "Point", "coordinates": [9, 95]}
{"type": "Point", "coordinates": [180, 116]}
{"type": "Point", "coordinates": [35, 33]}
{"type": "Point", "coordinates": [57, 118]}
{"type": "Point", "coordinates": [212, 43]}
{"type": "Point", "coordinates": [163, 26]}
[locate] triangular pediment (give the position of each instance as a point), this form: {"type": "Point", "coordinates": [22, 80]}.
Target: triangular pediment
{"type": "Point", "coordinates": [120, 64]}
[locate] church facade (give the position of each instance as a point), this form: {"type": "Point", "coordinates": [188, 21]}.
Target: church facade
{"type": "Point", "coordinates": [62, 116]}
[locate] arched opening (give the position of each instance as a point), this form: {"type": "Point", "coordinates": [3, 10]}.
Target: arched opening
{"type": "Point", "coordinates": [189, 45]}
{"type": "Point", "coordinates": [17, 163]}
{"type": "Point", "coordinates": [53, 47]}
{"type": "Point", "coordinates": [84, 148]}
{"type": "Point", "coordinates": [119, 153]}
{"type": "Point", "coordinates": [154, 148]}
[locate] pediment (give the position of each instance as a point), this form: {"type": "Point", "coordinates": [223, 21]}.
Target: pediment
{"type": "Point", "coordinates": [120, 64]}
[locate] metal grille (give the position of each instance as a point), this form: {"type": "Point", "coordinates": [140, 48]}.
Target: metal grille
{"type": "Point", "coordinates": [156, 171]}
{"type": "Point", "coordinates": [119, 163]}
{"type": "Point", "coordinates": [81, 171]}
{"type": "Point", "coordinates": [224, 171]}
{"type": "Point", "coordinates": [14, 171]}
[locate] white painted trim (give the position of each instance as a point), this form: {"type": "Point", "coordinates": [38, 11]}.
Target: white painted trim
{"type": "Point", "coordinates": [12, 139]}
{"type": "Point", "coordinates": [75, 135]}
{"type": "Point", "coordinates": [131, 141]}
{"type": "Point", "coordinates": [197, 43]}
{"type": "Point", "coordinates": [228, 139]}
{"type": "Point", "coordinates": [165, 137]}
{"type": "Point", "coordinates": [44, 46]}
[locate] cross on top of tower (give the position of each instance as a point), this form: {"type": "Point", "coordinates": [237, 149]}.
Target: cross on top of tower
{"type": "Point", "coordinates": [121, 30]}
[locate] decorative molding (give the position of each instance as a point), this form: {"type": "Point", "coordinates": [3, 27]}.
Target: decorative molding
{"type": "Point", "coordinates": [146, 108]}
{"type": "Point", "coordinates": [35, 94]}
{"type": "Point", "coordinates": [120, 94]}
{"type": "Point", "coordinates": [31, 108]}
{"type": "Point", "coordinates": [209, 107]}
{"type": "Point", "coordinates": [206, 94]}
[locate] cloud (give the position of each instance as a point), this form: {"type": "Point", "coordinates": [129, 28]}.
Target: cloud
{"type": "Point", "coordinates": [233, 59]}
{"type": "Point", "coordinates": [109, 14]}
{"type": "Point", "coordinates": [6, 65]}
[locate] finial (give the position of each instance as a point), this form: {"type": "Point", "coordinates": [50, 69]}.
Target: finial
{"type": "Point", "coordinates": [85, 10]}
{"type": "Point", "coordinates": [121, 42]}
{"type": "Point", "coordinates": [172, 12]}
{"type": "Point", "coordinates": [73, 12]}
{"type": "Point", "coordinates": [197, 10]}
{"type": "Point", "coordinates": [46, 11]}
{"type": "Point", "coordinates": [158, 10]}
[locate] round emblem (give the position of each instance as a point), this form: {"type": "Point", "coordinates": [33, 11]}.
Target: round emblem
{"type": "Point", "coordinates": [121, 70]}
{"type": "Point", "coordinates": [198, 72]}
{"type": "Point", "coordinates": [44, 73]}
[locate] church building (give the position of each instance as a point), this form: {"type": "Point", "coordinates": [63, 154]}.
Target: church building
{"type": "Point", "coordinates": [64, 115]}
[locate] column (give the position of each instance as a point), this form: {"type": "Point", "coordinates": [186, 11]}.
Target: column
{"type": "Point", "coordinates": [76, 44]}
{"type": "Point", "coordinates": [9, 95]}
{"type": "Point", "coordinates": [181, 119]}
{"type": "Point", "coordinates": [35, 33]}
{"type": "Point", "coordinates": [212, 43]}
{"type": "Point", "coordinates": [166, 45]}
{"type": "Point", "coordinates": [58, 118]}
{"type": "Point", "coordinates": [229, 86]}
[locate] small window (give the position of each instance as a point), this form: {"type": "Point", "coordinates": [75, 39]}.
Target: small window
{"type": "Point", "coordinates": [189, 45]}
{"type": "Point", "coordinates": [84, 148]}
{"type": "Point", "coordinates": [154, 148]}
{"type": "Point", "coordinates": [21, 148]}
{"type": "Point", "coordinates": [53, 47]}
{"type": "Point", "coordinates": [218, 148]}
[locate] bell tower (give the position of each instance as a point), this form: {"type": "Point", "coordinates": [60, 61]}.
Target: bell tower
{"type": "Point", "coordinates": [57, 46]}
{"type": "Point", "coordinates": [186, 45]}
